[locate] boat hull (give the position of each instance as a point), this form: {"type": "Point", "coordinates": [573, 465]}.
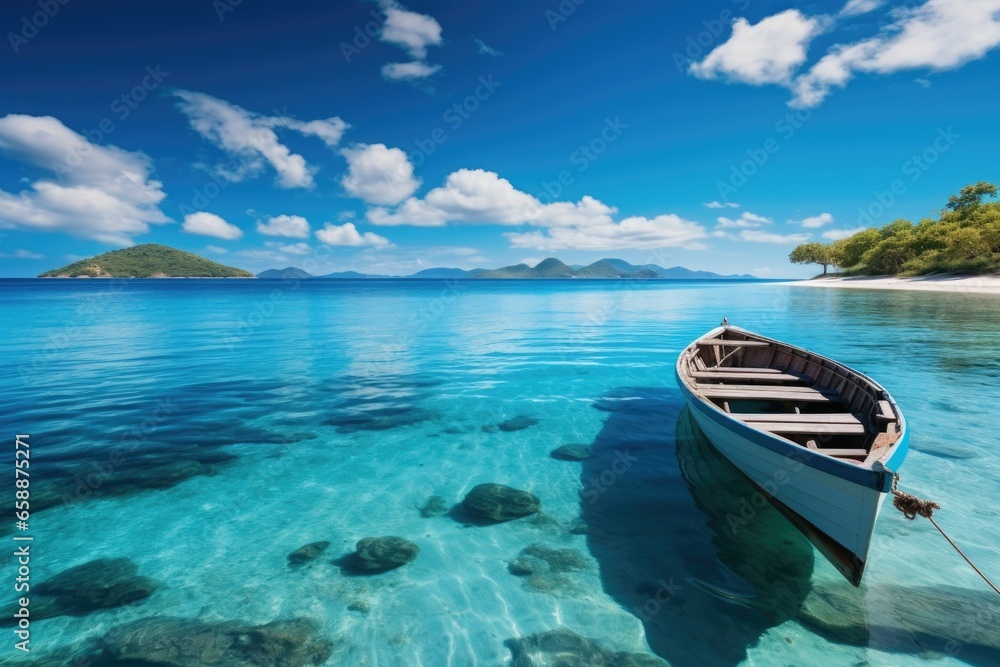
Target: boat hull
{"type": "Point", "coordinates": [834, 503]}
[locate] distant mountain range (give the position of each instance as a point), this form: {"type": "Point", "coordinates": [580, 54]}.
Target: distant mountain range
{"type": "Point", "coordinates": [548, 268]}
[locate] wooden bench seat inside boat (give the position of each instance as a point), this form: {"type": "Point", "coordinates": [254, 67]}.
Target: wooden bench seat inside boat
{"type": "Point", "coordinates": [821, 424]}
{"type": "Point", "coordinates": [751, 392]}
{"type": "Point", "coordinates": [723, 374]}
{"type": "Point", "coordinates": [733, 343]}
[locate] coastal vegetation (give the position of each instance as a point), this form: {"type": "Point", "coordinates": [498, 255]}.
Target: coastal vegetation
{"type": "Point", "coordinates": [964, 240]}
{"type": "Point", "coordinates": [150, 260]}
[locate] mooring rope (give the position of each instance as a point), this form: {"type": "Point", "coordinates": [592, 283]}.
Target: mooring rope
{"type": "Point", "coordinates": [911, 506]}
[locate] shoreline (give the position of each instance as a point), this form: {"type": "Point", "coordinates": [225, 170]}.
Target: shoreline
{"type": "Point", "coordinates": [989, 284]}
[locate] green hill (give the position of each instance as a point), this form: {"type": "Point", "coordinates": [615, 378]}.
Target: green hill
{"type": "Point", "coordinates": [549, 268]}
{"type": "Point", "coordinates": [150, 260]}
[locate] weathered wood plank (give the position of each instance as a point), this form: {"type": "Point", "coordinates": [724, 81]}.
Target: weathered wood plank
{"type": "Point", "coordinates": [861, 453]}
{"type": "Point", "coordinates": [833, 418]}
{"type": "Point", "coordinates": [810, 428]}
{"type": "Point", "coordinates": [733, 343]}
{"type": "Point", "coordinates": [765, 394]}
{"type": "Point", "coordinates": [757, 377]}
{"type": "Point", "coordinates": [740, 369]}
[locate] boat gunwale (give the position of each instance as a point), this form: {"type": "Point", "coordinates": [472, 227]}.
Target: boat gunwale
{"type": "Point", "coordinates": [876, 475]}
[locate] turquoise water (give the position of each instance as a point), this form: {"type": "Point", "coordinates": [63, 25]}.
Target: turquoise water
{"type": "Point", "coordinates": [251, 418]}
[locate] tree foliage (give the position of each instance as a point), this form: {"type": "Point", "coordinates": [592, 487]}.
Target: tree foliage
{"type": "Point", "coordinates": [148, 261]}
{"type": "Point", "coordinates": [965, 239]}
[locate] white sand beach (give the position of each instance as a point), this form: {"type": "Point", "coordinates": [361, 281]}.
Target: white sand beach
{"type": "Point", "coordinates": [964, 284]}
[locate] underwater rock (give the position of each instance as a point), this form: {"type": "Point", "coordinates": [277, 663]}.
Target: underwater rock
{"type": "Point", "coordinates": [578, 527]}
{"type": "Point", "coordinates": [489, 428]}
{"type": "Point", "coordinates": [558, 560]}
{"type": "Point", "coordinates": [500, 503]}
{"type": "Point", "coordinates": [901, 619]}
{"type": "Point", "coordinates": [378, 419]}
{"type": "Point", "coordinates": [435, 506]}
{"type": "Point", "coordinates": [380, 554]}
{"type": "Point", "coordinates": [526, 566]}
{"type": "Point", "coordinates": [518, 423]}
{"type": "Point", "coordinates": [359, 605]}
{"type": "Point", "coordinates": [563, 648]}
{"type": "Point", "coordinates": [306, 553]}
{"type": "Point", "coordinates": [571, 453]}
{"type": "Point", "coordinates": [179, 642]}
{"type": "Point", "coordinates": [104, 583]}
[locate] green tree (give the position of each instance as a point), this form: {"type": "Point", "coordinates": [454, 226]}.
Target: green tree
{"type": "Point", "coordinates": [971, 197]}
{"type": "Point", "coordinates": [855, 247]}
{"type": "Point", "coordinates": [812, 253]}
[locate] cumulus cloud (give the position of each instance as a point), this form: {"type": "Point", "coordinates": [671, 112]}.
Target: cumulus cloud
{"type": "Point", "coordinates": [410, 31]}
{"type": "Point", "coordinates": [814, 221]}
{"type": "Point", "coordinates": [767, 52]}
{"type": "Point", "coordinates": [837, 234]}
{"type": "Point", "coordinates": [216, 249]}
{"type": "Point", "coordinates": [97, 192]}
{"type": "Point", "coordinates": [290, 248]}
{"type": "Point", "coordinates": [476, 196]}
{"type": "Point", "coordinates": [746, 220]}
{"type": "Point", "coordinates": [859, 7]}
{"type": "Point", "coordinates": [937, 35]}
{"type": "Point", "coordinates": [292, 226]}
{"type": "Point", "coordinates": [347, 235]}
{"type": "Point", "coordinates": [637, 232]}
{"type": "Point", "coordinates": [209, 224]}
{"type": "Point", "coordinates": [758, 236]}
{"type": "Point", "coordinates": [252, 138]}
{"type": "Point", "coordinates": [379, 174]}
{"type": "Point", "coordinates": [719, 204]}
{"type": "Point", "coordinates": [409, 71]}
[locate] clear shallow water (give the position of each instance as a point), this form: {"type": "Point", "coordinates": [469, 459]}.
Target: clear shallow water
{"type": "Point", "coordinates": [252, 418]}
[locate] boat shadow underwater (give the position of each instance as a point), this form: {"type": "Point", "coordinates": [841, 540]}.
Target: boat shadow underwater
{"type": "Point", "coordinates": [690, 547]}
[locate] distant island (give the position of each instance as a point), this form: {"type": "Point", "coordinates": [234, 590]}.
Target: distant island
{"type": "Point", "coordinates": [149, 260]}
{"type": "Point", "coordinates": [548, 268]}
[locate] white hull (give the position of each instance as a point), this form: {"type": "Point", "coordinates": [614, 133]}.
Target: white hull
{"type": "Point", "coordinates": [844, 511]}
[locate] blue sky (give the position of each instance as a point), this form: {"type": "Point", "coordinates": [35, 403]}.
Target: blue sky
{"type": "Point", "coordinates": [387, 138]}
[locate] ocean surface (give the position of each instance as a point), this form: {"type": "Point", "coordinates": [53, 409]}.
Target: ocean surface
{"type": "Point", "coordinates": [205, 429]}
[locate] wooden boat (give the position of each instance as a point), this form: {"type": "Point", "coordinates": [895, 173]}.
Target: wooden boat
{"type": "Point", "coordinates": [821, 441]}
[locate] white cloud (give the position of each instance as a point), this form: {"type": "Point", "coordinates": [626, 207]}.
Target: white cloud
{"type": "Point", "coordinates": [216, 249]}
{"type": "Point", "coordinates": [348, 235]}
{"type": "Point", "coordinates": [293, 226]}
{"type": "Point", "coordinates": [209, 224]}
{"type": "Point", "coordinates": [290, 248]}
{"type": "Point", "coordinates": [859, 7]}
{"type": "Point", "coordinates": [837, 234]}
{"type": "Point", "coordinates": [814, 221]}
{"type": "Point", "coordinates": [378, 174]}
{"type": "Point", "coordinates": [719, 204]}
{"type": "Point", "coordinates": [410, 31]}
{"type": "Point", "coordinates": [98, 192]}
{"type": "Point", "coordinates": [251, 137]}
{"type": "Point", "coordinates": [631, 233]}
{"type": "Point", "coordinates": [938, 35]}
{"type": "Point", "coordinates": [20, 253]}
{"type": "Point", "coordinates": [746, 220]}
{"type": "Point", "coordinates": [758, 236]}
{"type": "Point", "coordinates": [409, 71]}
{"type": "Point", "coordinates": [478, 196]}
{"type": "Point", "coordinates": [487, 50]}
{"type": "Point", "coordinates": [767, 52]}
